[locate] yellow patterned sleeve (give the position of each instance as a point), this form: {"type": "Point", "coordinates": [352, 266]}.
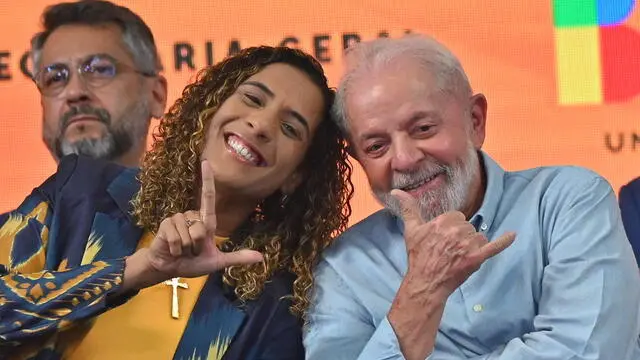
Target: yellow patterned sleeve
{"type": "Point", "coordinates": [35, 302]}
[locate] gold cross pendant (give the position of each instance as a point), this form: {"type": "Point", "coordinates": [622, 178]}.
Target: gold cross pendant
{"type": "Point", "coordinates": [175, 284]}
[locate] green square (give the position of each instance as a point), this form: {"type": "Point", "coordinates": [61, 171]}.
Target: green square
{"type": "Point", "coordinates": [575, 13]}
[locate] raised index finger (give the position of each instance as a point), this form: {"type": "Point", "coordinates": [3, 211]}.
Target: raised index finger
{"type": "Point", "coordinates": [208, 199]}
{"type": "Point", "coordinates": [409, 207]}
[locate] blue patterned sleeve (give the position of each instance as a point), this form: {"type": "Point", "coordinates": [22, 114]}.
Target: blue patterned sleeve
{"type": "Point", "coordinates": [35, 302]}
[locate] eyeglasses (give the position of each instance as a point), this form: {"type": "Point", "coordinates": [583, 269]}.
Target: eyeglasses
{"type": "Point", "coordinates": [95, 71]}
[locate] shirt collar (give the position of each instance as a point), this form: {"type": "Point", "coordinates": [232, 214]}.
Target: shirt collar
{"type": "Point", "coordinates": [483, 218]}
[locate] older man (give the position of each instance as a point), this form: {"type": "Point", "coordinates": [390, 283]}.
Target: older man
{"type": "Point", "coordinates": [418, 279]}
{"type": "Point", "coordinates": [98, 71]}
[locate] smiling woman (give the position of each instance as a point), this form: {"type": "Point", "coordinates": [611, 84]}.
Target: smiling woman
{"type": "Point", "coordinates": [246, 157]}
{"type": "Point", "coordinates": [258, 137]}
{"type": "Point", "coordinates": [261, 127]}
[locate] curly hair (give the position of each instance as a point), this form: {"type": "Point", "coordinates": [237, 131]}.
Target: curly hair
{"type": "Point", "coordinates": [290, 233]}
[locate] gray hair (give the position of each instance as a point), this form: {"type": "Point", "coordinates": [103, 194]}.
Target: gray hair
{"type": "Point", "coordinates": [367, 57]}
{"type": "Point", "coordinates": [136, 35]}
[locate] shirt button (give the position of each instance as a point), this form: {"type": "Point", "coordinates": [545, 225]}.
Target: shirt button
{"type": "Point", "coordinates": [478, 308]}
{"type": "Point", "coordinates": [483, 227]}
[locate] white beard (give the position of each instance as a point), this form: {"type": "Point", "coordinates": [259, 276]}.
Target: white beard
{"type": "Point", "coordinates": [451, 197]}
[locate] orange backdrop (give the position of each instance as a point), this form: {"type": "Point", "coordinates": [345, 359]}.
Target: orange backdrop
{"type": "Point", "coordinates": [548, 78]}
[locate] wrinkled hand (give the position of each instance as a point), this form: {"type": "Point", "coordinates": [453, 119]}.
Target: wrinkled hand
{"type": "Point", "coordinates": [180, 250]}
{"type": "Point", "coordinates": [445, 251]}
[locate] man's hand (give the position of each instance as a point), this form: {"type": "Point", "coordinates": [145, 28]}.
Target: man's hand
{"type": "Point", "coordinates": [442, 254]}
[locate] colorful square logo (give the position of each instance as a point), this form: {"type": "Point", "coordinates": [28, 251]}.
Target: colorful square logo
{"type": "Point", "coordinates": [597, 52]}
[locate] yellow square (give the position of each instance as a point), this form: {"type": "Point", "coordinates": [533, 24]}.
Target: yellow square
{"type": "Point", "coordinates": [579, 71]}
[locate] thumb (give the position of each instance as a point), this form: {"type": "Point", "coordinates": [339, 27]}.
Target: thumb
{"type": "Point", "coordinates": [410, 210]}
{"type": "Point", "coordinates": [240, 257]}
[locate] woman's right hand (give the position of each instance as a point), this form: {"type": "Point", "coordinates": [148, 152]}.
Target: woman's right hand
{"type": "Point", "coordinates": [184, 245]}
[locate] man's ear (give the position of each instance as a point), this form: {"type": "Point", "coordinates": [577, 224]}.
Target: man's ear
{"type": "Point", "coordinates": [478, 119]}
{"type": "Point", "coordinates": [158, 97]}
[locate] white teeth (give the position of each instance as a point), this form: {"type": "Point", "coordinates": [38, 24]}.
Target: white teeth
{"type": "Point", "coordinates": [415, 186]}
{"type": "Point", "coordinates": [242, 150]}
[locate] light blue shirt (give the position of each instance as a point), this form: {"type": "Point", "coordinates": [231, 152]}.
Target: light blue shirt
{"type": "Point", "coordinates": [568, 288]}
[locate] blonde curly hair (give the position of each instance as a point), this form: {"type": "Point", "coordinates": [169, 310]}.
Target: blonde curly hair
{"type": "Point", "coordinates": [289, 233]}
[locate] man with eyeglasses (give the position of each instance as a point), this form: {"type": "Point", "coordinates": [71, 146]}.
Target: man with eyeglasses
{"type": "Point", "coordinates": [98, 72]}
